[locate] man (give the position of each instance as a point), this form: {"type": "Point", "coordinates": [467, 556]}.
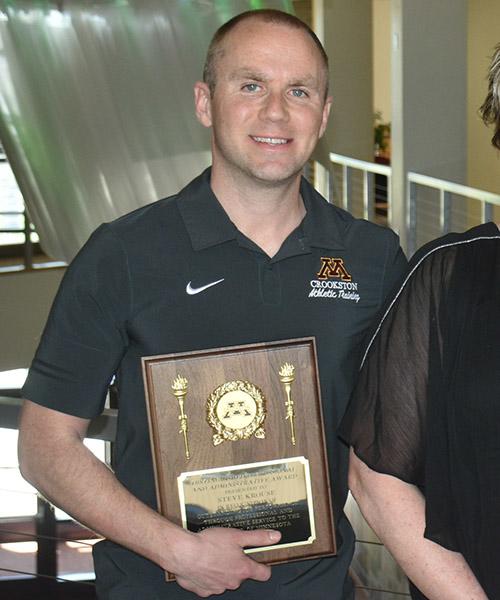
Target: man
{"type": "Point", "coordinates": [234, 258]}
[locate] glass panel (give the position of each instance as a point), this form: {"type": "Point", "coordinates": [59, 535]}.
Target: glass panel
{"type": "Point", "coordinates": [8, 239]}
{"type": "Point", "coordinates": [17, 558]}
{"type": "Point", "coordinates": [12, 222]}
{"type": "Point", "coordinates": [10, 197]}
{"type": "Point", "coordinates": [18, 496]}
{"type": "Point", "coordinates": [14, 378]}
{"type": "Point", "coordinates": [74, 559]}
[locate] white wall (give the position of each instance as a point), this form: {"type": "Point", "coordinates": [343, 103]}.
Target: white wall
{"type": "Point", "coordinates": [25, 300]}
{"type": "Point", "coordinates": [348, 43]}
{"type": "Point", "coordinates": [382, 37]}
{"type": "Point", "coordinates": [429, 117]}
{"type": "Point", "coordinates": [483, 33]}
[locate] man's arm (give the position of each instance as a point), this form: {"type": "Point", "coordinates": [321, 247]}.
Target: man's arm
{"type": "Point", "coordinates": [396, 512]}
{"type": "Point", "coordinates": [54, 459]}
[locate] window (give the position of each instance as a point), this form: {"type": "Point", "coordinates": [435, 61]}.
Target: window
{"type": "Point", "coordinates": [19, 243]}
{"type": "Point", "coordinates": [34, 537]}
{"type": "Point", "coordinates": [21, 516]}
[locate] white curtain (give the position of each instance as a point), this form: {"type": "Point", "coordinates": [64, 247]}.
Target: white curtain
{"type": "Point", "coordinates": [96, 105]}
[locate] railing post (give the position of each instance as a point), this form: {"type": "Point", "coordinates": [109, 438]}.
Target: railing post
{"type": "Point", "coordinates": [444, 211]}
{"type": "Point", "coordinates": [28, 246]}
{"type": "Point", "coordinates": [331, 185]}
{"type": "Point", "coordinates": [368, 189]}
{"type": "Point", "coordinates": [389, 202]}
{"type": "Point", "coordinates": [412, 217]}
{"type": "Point", "coordinates": [486, 212]}
{"type": "Point", "coordinates": [46, 556]}
{"type": "Point", "coordinates": [346, 188]}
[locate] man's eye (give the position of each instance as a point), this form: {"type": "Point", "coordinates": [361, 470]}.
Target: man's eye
{"type": "Point", "coordinates": [298, 93]}
{"type": "Point", "coordinates": [251, 87]}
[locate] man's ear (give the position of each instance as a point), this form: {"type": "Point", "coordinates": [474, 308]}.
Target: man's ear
{"type": "Point", "coordinates": [326, 113]}
{"type": "Point", "coordinates": [202, 103]}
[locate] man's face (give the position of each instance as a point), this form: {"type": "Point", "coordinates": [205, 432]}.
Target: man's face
{"type": "Point", "coordinates": [268, 108]}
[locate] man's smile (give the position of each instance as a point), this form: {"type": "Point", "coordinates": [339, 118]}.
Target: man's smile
{"type": "Point", "coordinates": [271, 140]}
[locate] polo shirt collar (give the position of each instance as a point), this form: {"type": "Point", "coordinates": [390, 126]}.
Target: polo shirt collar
{"type": "Point", "coordinates": [320, 228]}
{"type": "Point", "coordinates": [208, 224]}
{"type": "Point", "coordinates": [206, 221]}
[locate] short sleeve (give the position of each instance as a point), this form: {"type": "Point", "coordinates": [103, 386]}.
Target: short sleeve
{"type": "Point", "coordinates": [85, 336]}
{"type": "Point", "coordinates": [385, 419]}
{"type": "Point", "coordinates": [396, 266]}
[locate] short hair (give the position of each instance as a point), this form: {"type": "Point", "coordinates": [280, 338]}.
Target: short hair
{"type": "Point", "coordinates": [490, 109]}
{"type": "Point", "coordinates": [266, 15]}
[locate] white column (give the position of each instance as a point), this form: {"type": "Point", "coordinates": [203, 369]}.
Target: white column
{"type": "Point", "coordinates": [347, 31]}
{"type": "Point", "coordinates": [429, 79]}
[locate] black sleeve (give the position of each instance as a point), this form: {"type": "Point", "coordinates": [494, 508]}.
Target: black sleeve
{"type": "Point", "coordinates": [385, 420]}
{"type": "Point", "coordinates": [85, 336]}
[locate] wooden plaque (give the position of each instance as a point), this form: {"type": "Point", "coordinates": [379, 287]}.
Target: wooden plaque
{"type": "Point", "coordinates": [237, 440]}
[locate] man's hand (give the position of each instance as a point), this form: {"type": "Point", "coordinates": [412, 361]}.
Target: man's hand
{"type": "Point", "coordinates": [55, 460]}
{"type": "Point", "coordinates": [213, 561]}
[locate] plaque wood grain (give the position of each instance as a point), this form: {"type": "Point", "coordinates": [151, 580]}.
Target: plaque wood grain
{"type": "Point", "coordinates": [259, 364]}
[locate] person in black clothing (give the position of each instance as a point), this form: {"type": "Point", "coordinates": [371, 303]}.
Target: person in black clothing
{"type": "Point", "coordinates": [423, 420]}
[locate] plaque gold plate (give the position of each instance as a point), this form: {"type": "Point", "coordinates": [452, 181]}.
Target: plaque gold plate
{"type": "Point", "coordinates": [237, 440]}
{"type": "Point", "coordinates": [274, 494]}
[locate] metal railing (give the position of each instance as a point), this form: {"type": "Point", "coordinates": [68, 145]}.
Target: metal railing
{"type": "Point", "coordinates": [447, 191]}
{"type": "Point", "coordinates": [368, 170]}
{"type": "Point", "coordinates": [19, 246]}
{"type": "Point", "coordinates": [43, 526]}
{"type": "Point", "coordinates": [26, 229]}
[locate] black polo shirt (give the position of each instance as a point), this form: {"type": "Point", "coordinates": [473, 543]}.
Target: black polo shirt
{"type": "Point", "coordinates": [178, 276]}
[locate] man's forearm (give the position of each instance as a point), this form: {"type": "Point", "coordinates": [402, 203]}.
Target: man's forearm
{"type": "Point", "coordinates": [396, 512]}
{"type": "Point", "coordinates": [71, 477]}
{"type": "Point", "coordinates": [54, 459]}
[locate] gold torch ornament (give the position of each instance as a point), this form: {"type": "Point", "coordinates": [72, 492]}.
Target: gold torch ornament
{"type": "Point", "coordinates": [287, 377]}
{"type": "Point", "coordinates": [179, 389]}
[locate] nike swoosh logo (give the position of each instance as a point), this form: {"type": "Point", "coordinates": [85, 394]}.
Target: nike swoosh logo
{"type": "Point", "coordinates": [192, 291]}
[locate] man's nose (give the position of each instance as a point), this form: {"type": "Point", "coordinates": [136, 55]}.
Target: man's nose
{"type": "Point", "coordinates": [274, 107]}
